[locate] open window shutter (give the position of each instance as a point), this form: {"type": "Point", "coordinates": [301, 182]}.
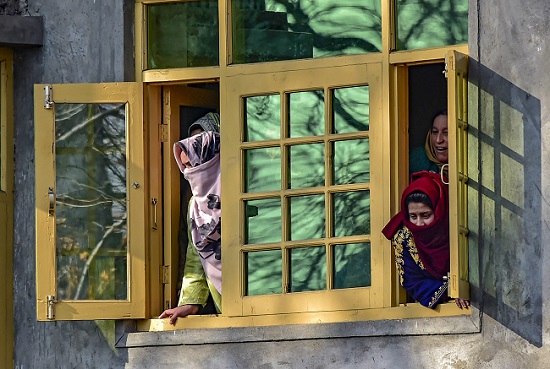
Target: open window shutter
{"type": "Point", "coordinates": [457, 65]}
{"type": "Point", "coordinates": [90, 201]}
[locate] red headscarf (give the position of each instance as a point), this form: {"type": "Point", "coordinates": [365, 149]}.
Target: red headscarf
{"type": "Point", "coordinates": [432, 240]}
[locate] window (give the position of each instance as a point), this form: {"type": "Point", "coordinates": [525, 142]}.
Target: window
{"type": "Point", "coordinates": [314, 157]}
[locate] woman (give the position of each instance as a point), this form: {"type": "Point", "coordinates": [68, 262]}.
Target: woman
{"type": "Point", "coordinates": [434, 154]}
{"type": "Point", "coordinates": [420, 237]}
{"type": "Point", "coordinates": [198, 158]}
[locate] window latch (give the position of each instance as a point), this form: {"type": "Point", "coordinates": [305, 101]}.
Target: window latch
{"type": "Point", "coordinates": [51, 197]}
{"type": "Point", "coordinates": [51, 301]}
{"type": "Point", "coordinates": [48, 98]}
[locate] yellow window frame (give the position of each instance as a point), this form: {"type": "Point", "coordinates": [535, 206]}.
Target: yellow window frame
{"type": "Point", "coordinates": [48, 306]}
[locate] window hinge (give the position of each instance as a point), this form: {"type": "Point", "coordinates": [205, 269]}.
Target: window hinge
{"type": "Point", "coordinates": [51, 301]}
{"type": "Point", "coordinates": [48, 97]}
{"type": "Point", "coordinates": [165, 274]}
{"type": "Point", "coordinates": [163, 133]}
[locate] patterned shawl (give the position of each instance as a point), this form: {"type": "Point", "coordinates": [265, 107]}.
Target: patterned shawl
{"type": "Point", "coordinates": [203, 151]}
{"type": "Point", "coordinates": [432, 241]}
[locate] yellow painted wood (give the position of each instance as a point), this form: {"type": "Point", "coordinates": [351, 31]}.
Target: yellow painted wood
{"type": "Point", "coordinates": [176, 96]}
{"type": "Point", "coordinates": [425, 55]}
{"type": "Point", "coordinates": [6, 209]}
{"type": "Point", "coordinates": [318, 317]}
{"type": "Point", "coordinates": [135, 306]}
{"type": "Point", "coordinates": [457, 66]}
{"type": "Point", "coordinates": [232, 182]}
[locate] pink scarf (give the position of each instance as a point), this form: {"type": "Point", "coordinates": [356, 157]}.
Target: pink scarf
{"type": "Point", "coordinates": [203, 151]}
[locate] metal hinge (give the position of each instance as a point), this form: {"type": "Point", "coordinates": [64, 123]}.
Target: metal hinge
{"type": "Point", "coordinates": [48, 97]}
{"type": "Point", "coordinates": [165, 274]}
{"type": "Point", "coordinates": [163, 132]}
{"type": "Point", "coordinates": [51, 301]}
{"type": "Point", "coordinates": [446, 70]}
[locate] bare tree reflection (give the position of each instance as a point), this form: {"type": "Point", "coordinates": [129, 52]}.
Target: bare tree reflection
{"type": "Point", "coordinates": [91, 213]}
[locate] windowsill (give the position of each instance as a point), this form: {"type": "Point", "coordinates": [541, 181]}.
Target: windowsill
{"type": "Point", "coordinates": [412, 319]}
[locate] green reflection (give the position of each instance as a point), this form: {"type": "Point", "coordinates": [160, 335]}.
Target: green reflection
{"type": "Point", "coordinates": [351, 213]}
{"type": "Point", "coordinates": [263, 118]}
{"type": "Point", "coordinates": [308, 269]}
{"type": "Point", "coordinates": [351, 109]}
{"type": "Point", "coordinates": [307, 113]}
{"type": "Point", "coordinates": [431, 23]}
{"type": "Point", "coordinates": [91, 214]}
{"type": "Point", "coordinates": [263, 221]}
{"type": "Point", "coordinates": [307, 217]}
{"type": "Point", "coordinates": [352, 266]}
{"type": "Point", "coordinates": [304, 29]}
{"type": "Point", "coordinates": [307, 165]}
{"type": "Point", "coordinates": [351, 161]}
{"type": "Point", "coordinates": [264, 274]}
{"type": "Point", "coordinates": [263, 169]}
{"type": "Point", "coordinates": [181, 35]}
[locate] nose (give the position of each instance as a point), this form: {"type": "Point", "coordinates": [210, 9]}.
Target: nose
{"type": "Point", "coordinates": [439, 137]}
{"type": "Point", "coordinates": [418, 222]}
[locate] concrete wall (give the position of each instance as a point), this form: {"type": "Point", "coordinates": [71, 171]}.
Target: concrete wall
{"type": "Point", "coordinates": [509, 208]}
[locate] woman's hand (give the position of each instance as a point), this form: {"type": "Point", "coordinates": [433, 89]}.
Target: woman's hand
{"type": "Point", "coordinates": [463, 304]}
{"type": "Point", "coordinates": [179, 312]}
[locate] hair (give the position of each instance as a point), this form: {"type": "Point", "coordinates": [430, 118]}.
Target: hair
{"type": "Point", "coordinates": [418, 196]}
{"type": "Point", "coordinates": [437, 114]}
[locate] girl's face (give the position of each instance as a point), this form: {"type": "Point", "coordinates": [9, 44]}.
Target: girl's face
{"type": "Point", "coordinates": [420, 214]}
{"type": "Point", "coordinates": [438, 138]}
{"type": "Point", "coordinates": [185, 160]}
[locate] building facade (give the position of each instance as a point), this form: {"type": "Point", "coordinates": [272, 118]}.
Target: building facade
{"type": "Point", "coordinates": [91, 196]}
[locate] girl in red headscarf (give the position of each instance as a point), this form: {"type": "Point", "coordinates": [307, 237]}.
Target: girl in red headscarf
{"type": "Point", "coordinates": [420, 237]}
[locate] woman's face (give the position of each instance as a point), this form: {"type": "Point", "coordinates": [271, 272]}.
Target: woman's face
{"type": "Point", "coordinates": [420, 214]}
{"type": "Point", "coordinates": [185, 160]}
{"type": "Point", "coordinates": [438, 138]}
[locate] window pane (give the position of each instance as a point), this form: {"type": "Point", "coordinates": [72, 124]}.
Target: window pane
{"type": "Point", "coordinates": [307, 165]}
{"type": "Point", "coordinates": [263, 221]}
{"type": "Point", "coordinates": [351, 109]}
{"type": "Point", "coordinates": [431, 23]}
{"type": "Point", "coordinates": [351, 161]}
{"type": "Point", "coordinates": [351, 213]}
{"type": "Point", "coordinates": [263, 118]}
{"type": "Point", "coordinates": [304, 29]}
{"type": "Point", "coordinates": [91, 214]}
{"type": "Point", "coordinates": [307, 217]}
{"type": "Point", "coordinates": [352, 265]}
{"type": "Point", "coordinates": [308, 269]}
{"type": "Point", "coordinates": [264, 272]}
{"type": "Point", "coordinates": [263, 169]}
{"type": "Point", "coordinates": [183, 34]}
{"type": "Point", "coordinates": [307, 113]}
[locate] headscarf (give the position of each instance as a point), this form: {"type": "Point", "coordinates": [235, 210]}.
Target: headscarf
{"type": "Point", "coordinates": [432, 240]}
{"type": "Point", "coordinates": [203, 151]}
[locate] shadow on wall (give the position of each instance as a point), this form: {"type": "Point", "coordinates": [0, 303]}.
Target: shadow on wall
{"type": "Point", "coordinates": [505, 202]}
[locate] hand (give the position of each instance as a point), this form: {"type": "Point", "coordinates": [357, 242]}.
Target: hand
{"type": "Point", "coordinates": [179, 311]}
{"type": "Point", "coordinates": [463, 304]}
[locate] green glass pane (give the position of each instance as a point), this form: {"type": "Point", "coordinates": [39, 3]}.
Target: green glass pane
{"type": "Point", "coordinates": [271, 30]}
{"type": "Point", "coordinates": [307, 217]}
{"type": "Point", "coordinates": [181, 35]}
{"type": "Point", "coordinates": [307, 113]}
{"type": "Point", "coordinates": [264, 275]}
{"type": "Point", "coordinates": [352, 266]}
{"type": "Point", "coordinates": [307, 165]}
{"type": "Point", "coordinates": [351, 213]}
{"type": "Point", "coordinates": [263, 118]}
{"type": "Point", "coordinates": [91, 214]}
{"type": "Point", "coordinates": [351, 109]}
{"type": "Point", "coordinates": [308, 269]}
{"type": "Point", "coordinates": [431, 23]}
{"type": "Point", "coordinates": [351, 161]}
{"type": "Point", "coordinates": [263, 221]}
{"type": "Point", "coordinates": [263, 169]}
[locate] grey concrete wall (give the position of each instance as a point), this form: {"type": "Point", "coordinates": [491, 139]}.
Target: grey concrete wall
{"type": "Point", "coordinates": [509, 208]}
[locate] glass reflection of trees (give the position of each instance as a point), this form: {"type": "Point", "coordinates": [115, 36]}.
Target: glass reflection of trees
{"type": "Point", "coordinates": [350, 165]}
{"type": "Point", "coordinates": [91, 212]}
